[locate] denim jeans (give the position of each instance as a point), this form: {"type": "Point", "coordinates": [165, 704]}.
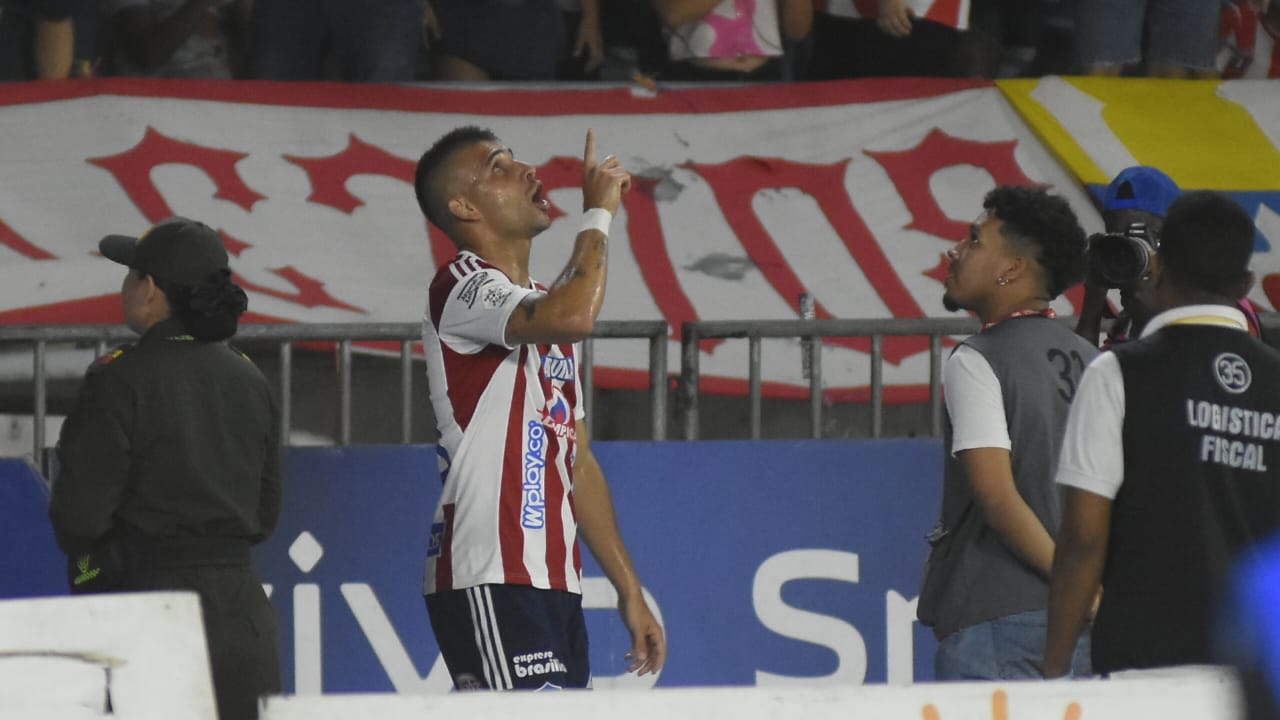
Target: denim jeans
{"type": "Point", "coordinates": [1007, 648]}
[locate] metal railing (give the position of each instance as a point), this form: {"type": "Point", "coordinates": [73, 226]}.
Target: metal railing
{"type": "Point", "coordinates": [693, 333]}
{"type": "Point", "coordinates": [811, 331]}
{"type": "Point", "coordinates": [344, 335]}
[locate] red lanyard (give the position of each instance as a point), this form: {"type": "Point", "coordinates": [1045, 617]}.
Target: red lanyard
{"type": "Point", "coordinates": [1047, 312]}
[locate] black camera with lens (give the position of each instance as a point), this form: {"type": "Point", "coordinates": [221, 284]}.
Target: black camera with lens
{"type": "Point", "coordinates": [1121, 259]}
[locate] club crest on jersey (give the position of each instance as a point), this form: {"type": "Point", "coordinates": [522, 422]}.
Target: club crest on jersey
{"type": "Point", "coordinates": [557, 416]}
{"type": "Point", "coordinates": [558, 407]}
{"type": "Point", "coordinates": [558, 368]}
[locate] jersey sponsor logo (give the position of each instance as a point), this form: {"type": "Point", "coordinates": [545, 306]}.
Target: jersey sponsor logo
{"type": "Point", "coordinates": [539, 663]}
{"type": "Point", "coordinates": [436, 542]}
{"type": "Point", "coordinates": [533, 509]}
{"type": "Point", "coordinates": [493, 297]}
{"type": "Point", "coordinates": [558, 368]}
{"type": "Point", "coordinates": [1232, 373]}
{"type": "Point", "coordinates": [472, 287]}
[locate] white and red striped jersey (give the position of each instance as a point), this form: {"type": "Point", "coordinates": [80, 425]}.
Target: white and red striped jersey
{"type": "Point", "coordinates": [506, 418]}
{"type": "Point", "coordinates": [947, 12]}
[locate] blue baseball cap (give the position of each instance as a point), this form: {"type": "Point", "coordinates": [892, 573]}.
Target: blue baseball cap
{"type": "Point", "coordinates": [1141, 187]}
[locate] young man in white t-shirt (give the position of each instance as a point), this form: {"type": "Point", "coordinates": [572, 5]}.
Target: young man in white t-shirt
{"type": "Point", "coordinates": [503, 571]}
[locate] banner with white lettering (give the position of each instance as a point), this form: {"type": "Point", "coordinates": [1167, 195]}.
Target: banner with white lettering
{"type": "Point", "coordinates": [745, 199]}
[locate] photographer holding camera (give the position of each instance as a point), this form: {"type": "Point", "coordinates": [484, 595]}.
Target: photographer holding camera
{"type": "Point", "coordinates": [1133, 210]}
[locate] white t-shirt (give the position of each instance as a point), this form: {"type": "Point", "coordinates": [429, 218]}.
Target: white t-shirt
{"type": "Point", "coordinates": [1093, 450]}
{"type": "Point", "coordinates": [975, 402]}
{"type": "Point", "coordinates": [507, 419]}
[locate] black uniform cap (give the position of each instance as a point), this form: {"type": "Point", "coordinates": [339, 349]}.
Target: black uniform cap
{"type": "Point", "coordinates": [178, 250]}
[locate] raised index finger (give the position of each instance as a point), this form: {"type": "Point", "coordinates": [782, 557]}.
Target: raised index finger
{"type": "Point", "coordinates": [589, 155]}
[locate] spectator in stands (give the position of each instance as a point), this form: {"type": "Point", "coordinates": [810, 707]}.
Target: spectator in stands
{"type": "Point", "coordinates": [731, 40]}
{"type": "Point", "coordinates": [1037, 37]}
{"type": "Point", "coordinates": [502, 368]}
{"type": "Point", "coordinates": [582, 59]}
{"type": "Point", "coordinates": [169, 462]}
{"type": "Point", "coordinates": [180, 38]}
{"type": "Point", "coordinates": [634, 44]}
{"type": "Point", "coordinates": [897, 38]}
{"type": "Point", "coordinates": [532, 39]}
{"type": "Point", "coordinates": [1250, 39]}
{"type": "Point", "coordinates": [1164, 461]}
{"type": "Point", "coordinates": [349, 40]}
{"type": "Point", "coordinates": [38, 38]}
{"type": "Point", "coordinates": [1167, 38]}
{"type": "Point", "coordinates": [1007, 390]}
{"type": "Point", "coordinates": [1133, 206]}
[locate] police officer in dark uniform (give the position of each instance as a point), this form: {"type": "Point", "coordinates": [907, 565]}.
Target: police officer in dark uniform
{"type": "Point", "coordinates": [169, 463]}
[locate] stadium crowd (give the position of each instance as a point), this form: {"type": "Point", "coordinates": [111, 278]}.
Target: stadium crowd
{"type": "Point", "coordinates": [621, 40]}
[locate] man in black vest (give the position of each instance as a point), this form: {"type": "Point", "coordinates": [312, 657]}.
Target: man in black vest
{"type": "Point", "coordinates": [1171, 459]}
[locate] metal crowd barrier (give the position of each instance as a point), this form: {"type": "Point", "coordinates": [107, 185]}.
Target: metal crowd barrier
{"type": "Point", "coordinates": [344, 335]}
{"type": "Point", "coordinates": [811, 331]}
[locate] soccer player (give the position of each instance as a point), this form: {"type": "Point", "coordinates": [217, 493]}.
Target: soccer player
{"type": "Point", "coordinates": [503, 571]}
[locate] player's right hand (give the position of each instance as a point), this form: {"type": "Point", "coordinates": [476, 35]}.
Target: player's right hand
{"type": "Point", "coordinates": [602, 183]}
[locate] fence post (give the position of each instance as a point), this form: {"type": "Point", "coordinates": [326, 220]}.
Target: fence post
{"type": "Point", "coordinates": [689, 379]}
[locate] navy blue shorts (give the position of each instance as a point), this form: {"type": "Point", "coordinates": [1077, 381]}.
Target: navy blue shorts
{"type": "Point", "coordinates": [511, 637]}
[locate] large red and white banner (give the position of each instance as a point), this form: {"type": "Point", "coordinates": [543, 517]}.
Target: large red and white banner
{"type": "Point", "coordinates": [745, 199]}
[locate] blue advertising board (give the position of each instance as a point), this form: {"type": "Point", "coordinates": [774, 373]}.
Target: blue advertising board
{"type": "Point", "coordinates": [31, 565]}
{"type": "Point", "coordinates": [769, 563]}
{"type": "Point", "coordinates": [777, 562]}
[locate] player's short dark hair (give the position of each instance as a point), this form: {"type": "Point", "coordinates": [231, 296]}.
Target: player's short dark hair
{"type": "Point", "coordinates": [1046, 226]}
{"type": "Point", "coordinates": [426, 179]}
{"type": "Point", "coordinates": [1207, 243]}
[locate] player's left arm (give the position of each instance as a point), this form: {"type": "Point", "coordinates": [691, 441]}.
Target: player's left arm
{"type": "Point", "coordinates": [598, 525]}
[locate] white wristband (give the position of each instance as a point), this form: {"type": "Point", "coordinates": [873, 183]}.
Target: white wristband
{"type": "Point", "coordinates": [596, 219]}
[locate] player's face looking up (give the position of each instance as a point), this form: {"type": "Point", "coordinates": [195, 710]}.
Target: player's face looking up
{"type": "Point", "coordinates": [500, 191]}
